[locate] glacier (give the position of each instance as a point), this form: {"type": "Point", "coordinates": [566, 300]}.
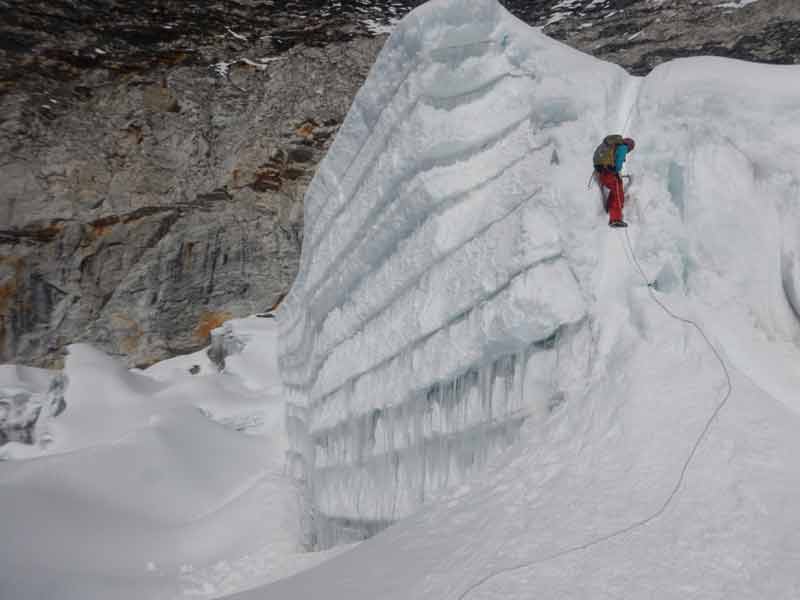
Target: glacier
{"type": "Point", "coordinates": [460, 294]}
{"type": "Point", "coordinates": [451, 250]}
{"type": "Point", "coordinates": [505, 397]}
{"type": "Point", "coordinates": [433, 285]}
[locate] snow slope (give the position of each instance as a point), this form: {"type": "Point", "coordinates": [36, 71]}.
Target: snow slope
{"type": "Point", "coordinates": [155, 484]}
{"type": "Point", "coordinates": [460, 291]}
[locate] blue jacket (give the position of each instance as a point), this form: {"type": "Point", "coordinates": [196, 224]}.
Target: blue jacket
{"type": "Point", "coordinates": [619, 157]}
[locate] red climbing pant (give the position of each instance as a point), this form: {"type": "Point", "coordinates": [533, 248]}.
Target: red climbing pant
{"type": "Point", "coordinates": [616, 196]}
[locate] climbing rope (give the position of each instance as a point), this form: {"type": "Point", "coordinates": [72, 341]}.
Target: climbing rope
{"type": "Point", "coordinates": [684, 469]}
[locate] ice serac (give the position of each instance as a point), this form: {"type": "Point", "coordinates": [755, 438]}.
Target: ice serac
{"type": "Point", "coordinates": [435, 292]}
{"type": "Point", "coordinates": [460, 276]}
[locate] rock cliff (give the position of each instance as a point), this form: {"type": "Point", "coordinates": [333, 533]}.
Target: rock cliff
{"type": "Point", "coordinates": [145, 202]}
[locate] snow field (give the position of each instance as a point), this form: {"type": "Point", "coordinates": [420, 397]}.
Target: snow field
{"type": "Point", "coordinates": [154, 484]}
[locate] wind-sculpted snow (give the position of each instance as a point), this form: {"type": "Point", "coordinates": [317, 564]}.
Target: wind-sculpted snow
{"type": "Point", "coordinates": [148, 484]}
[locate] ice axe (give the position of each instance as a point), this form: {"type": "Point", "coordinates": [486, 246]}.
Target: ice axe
{"type": "Point", "coordinates": [593, 179]}
{"type": "Point", "coordinates": [630, 180]}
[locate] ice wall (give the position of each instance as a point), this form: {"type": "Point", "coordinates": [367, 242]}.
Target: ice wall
{"type": "Point", "coordinates": [453, 253]}
{"type": "Point", "coordinates": [434, 294]}
{"type": "Point", "coordinates": [657, 458]}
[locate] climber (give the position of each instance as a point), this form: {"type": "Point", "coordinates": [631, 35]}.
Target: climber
{"type": "Point", "coordinates": [608, 160]}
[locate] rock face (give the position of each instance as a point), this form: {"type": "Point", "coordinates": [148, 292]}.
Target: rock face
{"type": "Point", "coordinates": [154, 155]}
{"type": "Point", "coordinates": [162, 203]}
{"type": "Point", "coordinates": [641, 34]}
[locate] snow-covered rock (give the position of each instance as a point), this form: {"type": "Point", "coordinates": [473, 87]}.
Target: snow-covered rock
{"type": "Point", "coordinates": [29, 397]}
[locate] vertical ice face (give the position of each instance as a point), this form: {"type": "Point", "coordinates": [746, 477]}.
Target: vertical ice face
{"type": "Point", "coordinates": [457, 277]}
{"type": "Point", "coordinates": [425, 323]}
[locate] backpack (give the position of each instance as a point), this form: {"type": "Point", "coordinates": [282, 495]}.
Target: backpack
{"type": "Point", "coordinates": [604, 155]}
